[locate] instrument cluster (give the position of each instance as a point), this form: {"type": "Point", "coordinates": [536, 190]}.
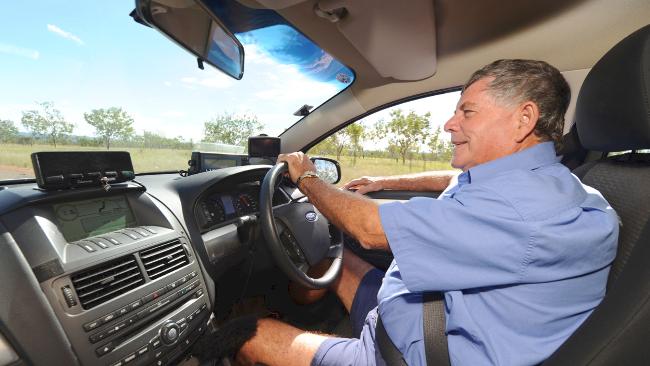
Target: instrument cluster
{"type": "Point", "coordinates": [221, 207]}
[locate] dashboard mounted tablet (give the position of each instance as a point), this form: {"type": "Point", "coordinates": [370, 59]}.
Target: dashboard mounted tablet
{"type": "Point", "coordinates": [207, 161]}
{"type": "Point", "coordinates": [72, 169]}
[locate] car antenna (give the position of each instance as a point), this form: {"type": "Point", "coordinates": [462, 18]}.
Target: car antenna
{"type": "Point", "coordinates": [199, 62]}
{"type": "Point", "coordinates": [303, 111]}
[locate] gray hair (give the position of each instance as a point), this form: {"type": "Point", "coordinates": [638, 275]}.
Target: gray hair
{"type": "Point", "coordinates": [517, 81]}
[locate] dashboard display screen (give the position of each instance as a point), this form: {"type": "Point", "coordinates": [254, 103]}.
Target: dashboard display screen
{"type": "Point", "coordinates": [212, 163]}
{"type": "Point", "coordinates": [81, 219]}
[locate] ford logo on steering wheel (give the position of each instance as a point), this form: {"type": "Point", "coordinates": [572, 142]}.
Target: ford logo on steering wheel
{"type": "Point", "coordinates": [311, 216]}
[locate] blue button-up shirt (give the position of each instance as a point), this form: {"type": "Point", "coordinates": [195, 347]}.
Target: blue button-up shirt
{"type": "Point", "coordinates": [521, 250]}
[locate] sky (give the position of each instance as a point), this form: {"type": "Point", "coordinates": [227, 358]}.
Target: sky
{"type": "Point", "coordinates": [89, 54]}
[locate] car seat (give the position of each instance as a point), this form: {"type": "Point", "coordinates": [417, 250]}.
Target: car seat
{"type": "Point", "coordinates": [613, 115]}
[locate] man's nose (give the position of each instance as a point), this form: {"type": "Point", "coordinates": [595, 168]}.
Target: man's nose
{"type": "Point", "coordinates": [451, 124]}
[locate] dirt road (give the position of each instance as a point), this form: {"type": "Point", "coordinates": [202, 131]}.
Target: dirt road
{"type": "Point", "coordinates": [14, 172]}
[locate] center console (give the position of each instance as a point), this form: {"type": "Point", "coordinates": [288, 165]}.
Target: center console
{"type": "Point", "coordinates": [118, 271]}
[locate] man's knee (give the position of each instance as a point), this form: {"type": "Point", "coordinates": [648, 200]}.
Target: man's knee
{"type": "Point", "coordinates": [354, 269]}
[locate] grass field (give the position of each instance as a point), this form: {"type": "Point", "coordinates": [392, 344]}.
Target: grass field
{"type": "Point", "coordinates": [383, 166]}
{"type": "Point", "coordinates": [15, 161]}
{"type": "Point", "coordinates": [144, 160]}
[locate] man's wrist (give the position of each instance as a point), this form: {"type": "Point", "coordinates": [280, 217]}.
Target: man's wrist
{"type": "Point", "coordinates": [306, 175]}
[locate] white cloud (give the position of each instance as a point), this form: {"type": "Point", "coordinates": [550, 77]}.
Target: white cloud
{"type": "Point", "coordinates": [322, 63]}
{"type": "Point", "coordinates": [67, 35]}
{"type": "Point", "coordinates": [167, 83]}
{"type": "Point", "coordinates": [19, 51]}
{"type": "Point", "coordinates": [255, 56]}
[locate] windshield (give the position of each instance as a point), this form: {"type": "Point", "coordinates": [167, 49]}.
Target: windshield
{"type": "Point", "coordinates": [82, 75]}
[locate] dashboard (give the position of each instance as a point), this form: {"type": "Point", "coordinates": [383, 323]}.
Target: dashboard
{"type": "Point", "coordinates": [125, 276]}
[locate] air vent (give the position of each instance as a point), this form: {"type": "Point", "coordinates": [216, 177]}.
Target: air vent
{"type": "Point", "coordinates": [164, 258]}
{"type": "Point", "coordinates": [102, 283]}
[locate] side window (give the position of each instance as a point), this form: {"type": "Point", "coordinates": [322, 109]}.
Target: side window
{"type": "Point", "coordinates": [406, 138]}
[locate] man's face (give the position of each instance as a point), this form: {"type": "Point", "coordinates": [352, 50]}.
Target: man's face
{"type": "Point", "coordinates": [482, 128]}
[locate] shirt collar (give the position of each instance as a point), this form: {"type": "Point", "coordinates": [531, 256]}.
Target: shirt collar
{"type": "Point", "coordinates": [528, 159]}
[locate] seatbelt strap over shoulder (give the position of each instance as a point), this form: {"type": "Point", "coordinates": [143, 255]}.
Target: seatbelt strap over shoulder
{"type": "Point", "coordinates": [433, 319]}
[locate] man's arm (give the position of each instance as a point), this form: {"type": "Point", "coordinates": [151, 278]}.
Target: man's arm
{"type": "Point", "coordinates": [356, 215]}
{"type": "Point", "coordinates": [433, 181]}
{"type": "Point", "coordinates": [353, 213]}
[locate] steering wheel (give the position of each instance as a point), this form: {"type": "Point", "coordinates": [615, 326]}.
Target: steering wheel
{"type": "Point", "coordinates": [297, 235]}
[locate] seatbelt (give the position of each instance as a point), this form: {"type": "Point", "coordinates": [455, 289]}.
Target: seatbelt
{"type": "Point", "coordinates": [435, 339]}
{"type": "Point", "coordinates": [389, 353]}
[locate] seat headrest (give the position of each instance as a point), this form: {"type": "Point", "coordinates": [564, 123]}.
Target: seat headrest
{"type": "Point", "coordinates": [613, 107]}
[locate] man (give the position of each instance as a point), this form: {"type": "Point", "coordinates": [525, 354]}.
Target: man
{"type": "Point", "coordinates": [520, 248]}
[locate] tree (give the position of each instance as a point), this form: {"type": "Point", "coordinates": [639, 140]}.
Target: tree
{"type": "Point", "coordinates": [404, 132]}
{"type": "Point", "coordinates": [8, 131]}
{"type": "Point", "coordinates": [231, 129]}
{"type": "Point", "coordinates": [324, 147]}
{"type": "Point", "coordinates": [339, 140]}
{"type": "Point", "coordinates": [434, 143]}
{"type": "Point", "coordinates": [446, 150]}
{"type": "Point", "coordinates": [110, 123]}
{"type": "Point", "coordinates": [356, 134]}
{"type": "Point", "coordinates": [48, 121]}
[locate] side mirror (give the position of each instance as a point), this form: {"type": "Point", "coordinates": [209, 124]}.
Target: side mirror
{"type": "Point", "coordinates": [191, 25]}
{"type": "Point", "coordinates": [327, 169]}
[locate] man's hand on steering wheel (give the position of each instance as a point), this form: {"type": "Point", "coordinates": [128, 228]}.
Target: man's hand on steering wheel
{"type": "Point", "coordinates": [298, 164]}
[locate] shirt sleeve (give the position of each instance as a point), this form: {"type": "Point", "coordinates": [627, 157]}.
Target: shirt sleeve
{"type": "Point", "coordinates": [471, 239]}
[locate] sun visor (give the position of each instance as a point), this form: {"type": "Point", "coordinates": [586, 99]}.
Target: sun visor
{"type": "Point", "coordinates": [399, 41]}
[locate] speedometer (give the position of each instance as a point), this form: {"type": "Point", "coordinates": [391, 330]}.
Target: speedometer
{"type": "Point", "coordinates": [211, 213]}
{"type": "Point", "coordinates": [245, 204]}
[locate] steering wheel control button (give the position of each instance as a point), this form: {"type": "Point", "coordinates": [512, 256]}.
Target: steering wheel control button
{"type": "Point", "coordinates": [169, 333]}
{"type": "Point", "coordinates": [291, 245]}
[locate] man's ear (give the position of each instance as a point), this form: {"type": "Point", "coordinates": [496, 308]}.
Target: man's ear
{"type": "Point", "coordinates": [528, 114]}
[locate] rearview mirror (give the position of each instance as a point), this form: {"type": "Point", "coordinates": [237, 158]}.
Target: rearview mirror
{"type": "Point", "coordinates": [328, 170]}
{"type": "Point", "coordinates": [194, 27]}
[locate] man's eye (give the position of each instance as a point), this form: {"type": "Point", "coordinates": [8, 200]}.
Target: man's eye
{"type": "Point", "coordinates": [468, 112]}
